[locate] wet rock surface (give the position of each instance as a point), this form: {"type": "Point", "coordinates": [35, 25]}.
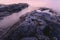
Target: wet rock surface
{"type": "Point", "coordinates": [6, 10]}
{"type": "Point", "coordinates": [39, 24]}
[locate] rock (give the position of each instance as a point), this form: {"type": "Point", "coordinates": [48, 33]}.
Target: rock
{"type": "Point", "coordinates": [16, 7]}
{"type": "Point", "coordinates": [42, 25]}
{"type": "Point", "coordinates": [3, 14]}
{"type": "Point", "coordinates": [29, 38]}
{"type": "Point", "coordinates": [3, 8]}
{"type": "Point", "coordinates": [13, 7]}
{"type": "Point", "coordinates": [6, 10]}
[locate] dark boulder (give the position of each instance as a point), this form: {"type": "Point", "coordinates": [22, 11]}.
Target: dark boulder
{"type": "Point", "coordinates": [43, 25]}
{"type": "Point", "coordinates": [6, 10]}
{"type": "Point", "coordinates": [13, 7]}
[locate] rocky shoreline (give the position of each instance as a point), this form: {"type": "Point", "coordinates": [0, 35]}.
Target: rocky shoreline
{"type": "Point", "coordinates": [7, 10]}
{"type": "Point", "coordinates": [40, 24]}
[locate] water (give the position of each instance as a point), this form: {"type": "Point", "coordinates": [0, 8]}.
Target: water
{"type": "Point", "coordinates": [12, 19]}
{"type": "Point", "coordinates": [34, 4]}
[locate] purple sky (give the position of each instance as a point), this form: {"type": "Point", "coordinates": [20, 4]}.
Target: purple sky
{"type": "Point", "coordinates": [50, 3]}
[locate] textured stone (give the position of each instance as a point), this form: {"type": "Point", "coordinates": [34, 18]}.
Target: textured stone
{"type": "Point", "coordinates": [43, 25]}
{"type": "Point", "coordinates": [6, 10]}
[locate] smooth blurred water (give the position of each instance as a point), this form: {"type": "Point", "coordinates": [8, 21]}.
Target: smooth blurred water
{"type": "Point", "coordinates": [12, 19]}
{"type": "Point", "coordinates": [34, 4]}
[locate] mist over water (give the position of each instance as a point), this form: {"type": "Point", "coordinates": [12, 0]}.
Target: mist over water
{"type": "Point", "coordinates": [12, 19]}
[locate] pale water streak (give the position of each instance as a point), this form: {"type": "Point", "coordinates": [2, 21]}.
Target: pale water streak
{"type": "Point", "coordinates": [12, 19]}
{"type": "Point", "coordinates": [34, 4]}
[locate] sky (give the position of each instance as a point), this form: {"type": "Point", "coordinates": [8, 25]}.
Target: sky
{"type": "Point", "coordinates": [48, 3]}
